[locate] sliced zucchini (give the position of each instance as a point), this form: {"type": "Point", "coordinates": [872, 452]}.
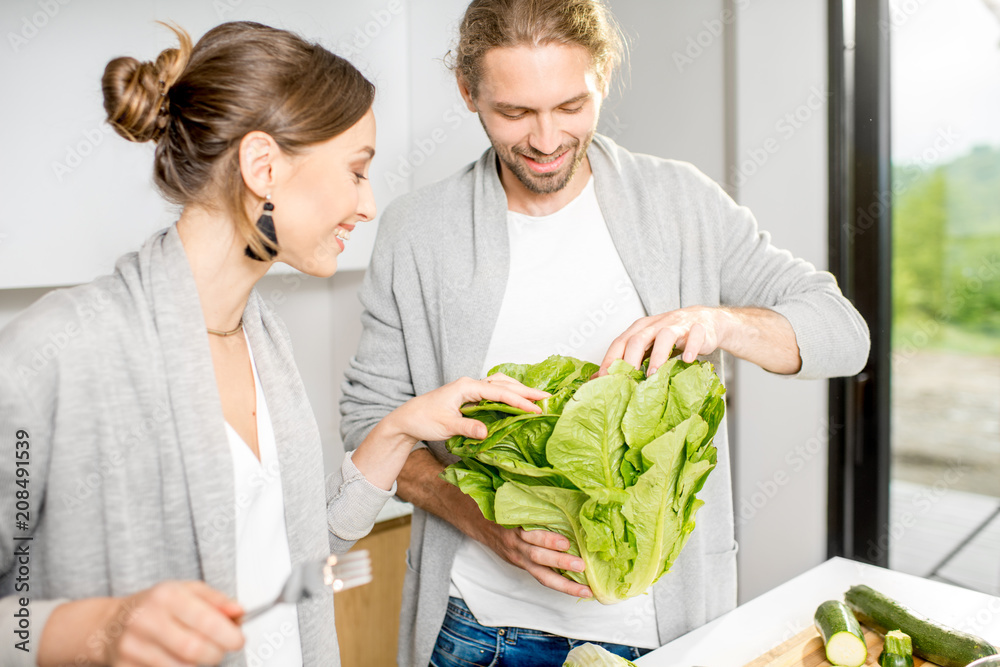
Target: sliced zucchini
{"type": "Point", "coordinates": [931, 641]}
{"type": "Point", "coordinates": [897, 650]}
{"type": "Point", "coordinates": [842, 637]}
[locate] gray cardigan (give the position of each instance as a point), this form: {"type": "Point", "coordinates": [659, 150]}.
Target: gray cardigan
{"type": "Point", "coordinates": [433, 292]}
{"type": "Point", "coordinates": [131, 480]}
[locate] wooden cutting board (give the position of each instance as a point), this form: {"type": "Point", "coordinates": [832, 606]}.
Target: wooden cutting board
{"type": "Point", "coordinates": [806, 650]}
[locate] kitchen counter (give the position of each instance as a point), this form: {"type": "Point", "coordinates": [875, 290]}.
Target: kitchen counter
{"type": "Point", "coordinates": [759, 625]}
{"type": "Point", "coordinates": [393, 509]}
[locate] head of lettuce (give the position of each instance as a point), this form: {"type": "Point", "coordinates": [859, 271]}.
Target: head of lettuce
{"type": "Point", "coordinates": [612, 463]}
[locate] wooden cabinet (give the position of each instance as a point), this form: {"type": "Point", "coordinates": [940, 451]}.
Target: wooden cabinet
{"type": "Point", "coordinates": [368, 617]}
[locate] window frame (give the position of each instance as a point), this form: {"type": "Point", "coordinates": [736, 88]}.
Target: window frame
{"type": "Point", "coordinates": [860, 256]}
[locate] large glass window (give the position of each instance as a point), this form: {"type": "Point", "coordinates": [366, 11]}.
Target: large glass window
{"type": "Point", "coordinates": [945, 392]}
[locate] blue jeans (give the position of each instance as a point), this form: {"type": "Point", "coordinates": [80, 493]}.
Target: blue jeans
{"type": "Point", "coordinates": [463, 642]}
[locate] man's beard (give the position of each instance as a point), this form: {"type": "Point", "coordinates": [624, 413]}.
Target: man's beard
{"type": "Point", "coordinates": [541, 184]}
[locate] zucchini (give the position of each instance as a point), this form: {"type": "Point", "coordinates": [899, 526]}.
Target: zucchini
{"type": "Point", "coordinates": [931, 641]}
{"type": "Point", "coordinates": [897, 651]}
{"type": "Point", "coordinates": [842, 637]}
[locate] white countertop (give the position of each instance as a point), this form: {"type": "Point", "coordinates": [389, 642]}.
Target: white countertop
{"type": "Point", "coordinates": [759, 625]}
{"type": "Point", "coordinates": [393, 508]}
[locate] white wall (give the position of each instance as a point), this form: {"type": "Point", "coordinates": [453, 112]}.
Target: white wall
{"type": "Point", "coordinates": [782, 432]}
{"type": "Point", "coordinates": [80, 195]}
{"type": "Point", "coordinates": [726, 113]}
{"type": "Point", "coordinates": [668, 106]}
{"type": "Point", "coordinates": [672, 108]}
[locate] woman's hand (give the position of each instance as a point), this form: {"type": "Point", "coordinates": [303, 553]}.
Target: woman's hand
{"type": "Point", "coordinates": [172, 624]}
{"type": "Point", "coordinates": [176, 623]}
{"type": "Point", "coordinates": [437, 414]}
{"type": "Point", "coordinates": [433, 416]}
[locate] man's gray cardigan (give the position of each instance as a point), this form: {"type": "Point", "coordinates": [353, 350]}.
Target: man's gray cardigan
{"type": "Point", "coordinates": [130, 473]}
{"type": "Point", "coordinates": [433, 292]}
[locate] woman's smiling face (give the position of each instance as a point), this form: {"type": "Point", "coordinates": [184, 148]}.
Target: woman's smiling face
{"type": "Point", "coordinates": [327, 191]}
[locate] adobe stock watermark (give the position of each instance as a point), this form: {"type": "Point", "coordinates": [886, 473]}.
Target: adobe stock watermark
{"type": "Point", "coordinates": [900, 13]}
{"type": "Point", "coordinates": [612, 126]}
{"type": "Point", "coordinates": [983, 619]}
{"type": "Point", "coordinates": [224, 7]}
{"type": "Point", "coordinates": [32, 24]}
{"type": "Point", "coordinates": [866, 218]}
{"type": "Point", "coordinates": [423, 148]}
{"type": "Point", "coordinates": [703, 40]}
{"type": "Point", "coordinates": [785, 128]}
{"type": "Point", "coordinates": [363, 35]}
{"type": "Point", "coordinates": [637, 619]}
{"type": "Point", "coordinates": [223, 518]}
{"type": "Point", "coordinates": [591, 322]}
{"type": "Point", "coordinates": [103, 638]}
{"type": "Point", "coordinates": [114, 458]}
{"type": "Point", "coordinates": [272, 642]}
{"type": "Point", "coordinates": [795, 461]}
{"type": "Point", "coordinates": [923, 501]}
{"type": "Point", "coordinates": [77, 151]}
{"type": "Point", "coordinates": [278, 295]}
{"type": "Point", "coordinates": [987, 271]}
{"type": "Point", "coordinates": [53, 345]}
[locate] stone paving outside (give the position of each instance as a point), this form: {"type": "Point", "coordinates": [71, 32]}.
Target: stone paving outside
{"type": "Point", "coordinates": [946, 467]}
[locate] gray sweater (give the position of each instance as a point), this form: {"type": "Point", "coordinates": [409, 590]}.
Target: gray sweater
{"type": "Point", "coordinates": [434, 289]}
{"type": "Point", "coordinates": [130, 474]}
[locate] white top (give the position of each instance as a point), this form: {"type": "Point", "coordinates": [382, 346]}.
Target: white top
{"type": "Point", "coordinates": [262, 559]}
{"type": "Point", "coordinates": [567, 293]}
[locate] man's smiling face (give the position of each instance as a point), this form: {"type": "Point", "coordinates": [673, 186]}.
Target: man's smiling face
{"type": "Point", "coordinates": [539, 106]}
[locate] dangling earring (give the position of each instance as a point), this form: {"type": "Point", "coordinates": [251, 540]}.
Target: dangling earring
{"type": "Point", "coordinates": [265, 223]}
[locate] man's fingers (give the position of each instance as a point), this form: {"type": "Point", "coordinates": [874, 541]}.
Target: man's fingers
{"type": "Point", "coordinates": [635, 349]}
{"type": "Point", "coordinates": [693, 344]}
{"type": "Point", "coordinates": [662, 347]}
{"type": "Point", "coordinates": [619, 348]}
{"type": "Point", "coordinates": [555, 581]}
{"type": "Point", "coordinates": [545, 538]}
{"type": "Point", "coordinates": [557, 559]}
{"type": "Point", "coordinates": [549, 549]}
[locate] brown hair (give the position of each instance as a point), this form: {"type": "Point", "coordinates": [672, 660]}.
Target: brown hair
{"type": "Point", "coordinates": [198, 103]}
{"type": "Point", "coordinates": [489, 24]}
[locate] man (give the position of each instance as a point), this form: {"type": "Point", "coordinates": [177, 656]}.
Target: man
{"type": "Point", "coordinates": [559, 241]}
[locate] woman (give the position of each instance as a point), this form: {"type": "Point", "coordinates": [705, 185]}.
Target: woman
{"type": "Point", "coordinates": [164, 458]}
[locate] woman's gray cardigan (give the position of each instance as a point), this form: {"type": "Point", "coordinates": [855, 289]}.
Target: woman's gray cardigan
{"type": "Point", "coordinates": [433, 293]}
{"type": "Point", "coordinates": [130, 480]}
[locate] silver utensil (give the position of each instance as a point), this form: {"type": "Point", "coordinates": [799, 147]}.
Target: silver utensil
{"type": "Point", "coordinates": [306, 580]}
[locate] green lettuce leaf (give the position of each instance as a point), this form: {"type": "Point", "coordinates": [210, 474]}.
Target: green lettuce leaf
{"type": "Point", "coordinates": [592, 655]}
{"type": "Point", "coordinates": [612, 463]}
{"type": "Point", "coordinates": [475, 484]}
{"type": "Point", "coordinates": [587, 444]}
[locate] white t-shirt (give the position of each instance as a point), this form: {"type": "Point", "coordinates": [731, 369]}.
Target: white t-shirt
{"type": "Point", "coordinates": [262, 559]}
{"type": "Point", "coordinates": [567, 293]}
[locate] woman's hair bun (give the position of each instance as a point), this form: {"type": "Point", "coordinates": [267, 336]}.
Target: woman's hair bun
{"type": "Point", "coordinates": [136, 93]}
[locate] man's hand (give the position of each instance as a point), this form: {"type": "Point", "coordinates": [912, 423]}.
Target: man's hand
{"type": "Point", "coordinates": [535, 551]}
{"type": "Point", "coordinates": [757, 335]}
